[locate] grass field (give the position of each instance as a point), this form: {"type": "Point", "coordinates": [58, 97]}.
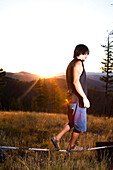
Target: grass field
{"type": "Point", "coordinates": [25, 129]}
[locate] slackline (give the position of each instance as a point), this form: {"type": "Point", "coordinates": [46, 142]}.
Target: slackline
{"type": "Point", "coordinates": [53, 150]}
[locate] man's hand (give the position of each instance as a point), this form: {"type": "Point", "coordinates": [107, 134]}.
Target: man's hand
{"type": "Point", "coordinates": [86, 102]}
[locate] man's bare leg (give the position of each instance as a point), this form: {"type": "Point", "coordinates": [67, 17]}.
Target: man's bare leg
{"type": "Point", "coordinates": [64, 130]}
{"type": "Point", "coordinates": [72, 145]}
{"type": "Point", "coordinates": [74, 137]}
{"type": "Point", "coordinates": [55, 140]}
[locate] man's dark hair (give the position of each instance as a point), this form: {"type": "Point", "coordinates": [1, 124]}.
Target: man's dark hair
{"type": "Point", "coordinates": [80, 49]}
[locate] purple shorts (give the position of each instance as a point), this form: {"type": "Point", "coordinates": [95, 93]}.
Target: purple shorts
{"type": "Point", "coordinates": [77, 117]}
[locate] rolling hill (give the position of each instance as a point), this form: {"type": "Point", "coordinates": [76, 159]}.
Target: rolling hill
{"type": "Point", "coordinates": [92, 78]}
{"type": "Point", "coordinates": [18, 83]}
{"type": "Point", "coordinates": [93, 81]}
{"type": "Point", "coordinates": [22, 76]}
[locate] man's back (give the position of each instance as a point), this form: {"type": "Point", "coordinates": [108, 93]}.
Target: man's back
{"type": "Point", "coordinates": [75, 97]}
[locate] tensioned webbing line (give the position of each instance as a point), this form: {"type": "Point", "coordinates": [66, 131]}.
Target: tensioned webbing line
{"type": "Point", "coordinates": [53, 150]}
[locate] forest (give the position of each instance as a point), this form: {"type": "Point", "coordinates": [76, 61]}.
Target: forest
{"type": "Point", "coordinates": [47, 95]}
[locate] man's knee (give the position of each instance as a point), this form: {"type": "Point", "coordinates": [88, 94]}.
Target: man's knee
{"type": "Point", "coordinates": [75, 130]}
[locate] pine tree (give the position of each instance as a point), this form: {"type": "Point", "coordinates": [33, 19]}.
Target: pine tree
{"type": "Point", "coordinates": [2, 83]}
{"type": "Point", "coordinates": [2, 75]}
{"type": "Point", "coordinates": [55, 97]}
{"type": "Point", "coordinates": [48, 98]}
{"type": "Point", "coordinates": [108, 70]}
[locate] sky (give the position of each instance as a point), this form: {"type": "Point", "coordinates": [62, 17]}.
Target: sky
{"type": "Point", "coordinates": [39, 36]}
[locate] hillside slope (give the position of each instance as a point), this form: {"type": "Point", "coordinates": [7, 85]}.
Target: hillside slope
{"type": "Point", "coordinates": [92, 78]}
{"type": "Point", "coordinates": [15, 89]}
{"type": "Point", "coordinates": [23, 76]}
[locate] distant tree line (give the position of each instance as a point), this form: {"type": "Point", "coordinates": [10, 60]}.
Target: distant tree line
{"type": "Point", "coordinates": [48, 96]}
{"type": "Point", "coordinates": [45, 96]}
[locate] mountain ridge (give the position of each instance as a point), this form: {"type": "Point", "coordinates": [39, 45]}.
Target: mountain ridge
{"type": "Point", "coordinates": [93, 80]}
{"type": "Point", "coordinates": [23, 76]}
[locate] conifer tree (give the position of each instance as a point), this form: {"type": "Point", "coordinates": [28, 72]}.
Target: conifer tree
{"type": "Point", "coordinates": [48, 98]}
{"type": "Point", "coordinates": [2, 74]}
{"type": "Point", "coordinates": [107, 68]}
{"type": "Point", "coordinates": [2, 83]}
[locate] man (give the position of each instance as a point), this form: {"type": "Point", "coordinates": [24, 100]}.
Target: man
{"type": "Point", "coordinates": [77, 99]}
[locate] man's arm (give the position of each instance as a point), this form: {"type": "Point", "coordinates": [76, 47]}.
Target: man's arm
{"type": "Point", "coordinates": [77, 71]}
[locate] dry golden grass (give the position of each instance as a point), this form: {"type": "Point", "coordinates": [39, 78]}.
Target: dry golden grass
{"type": "Point", "coordinates": [25, 129]}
